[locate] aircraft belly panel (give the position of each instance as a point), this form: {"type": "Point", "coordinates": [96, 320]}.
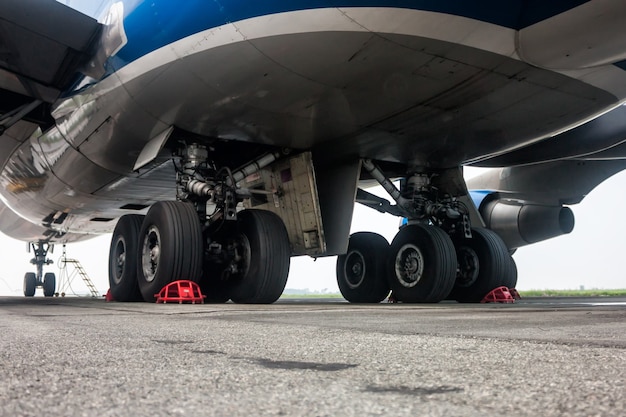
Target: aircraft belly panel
{"type": "Point", "coordinates": [13, 137]}
{"type": "Point", "coordinates": [19, 228]}
{"type": "Point", "coordinates": [408, 86]}
{"type": "Point", "coordinates": [597, 26]}
{"type": "Point", "coordinates": [154, 184]}
{"type": "Point", "coordinates": [110, 128]}
{"type": "Point", "coordinates": [444, 110]}
{"type": "Point", "coordinates": [424, 94]}
{"type": "Point", "coordinates": [117, 143]}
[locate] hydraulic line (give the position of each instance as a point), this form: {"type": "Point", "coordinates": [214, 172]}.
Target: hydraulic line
{"type": "Point", "coordinates": [202, 188]}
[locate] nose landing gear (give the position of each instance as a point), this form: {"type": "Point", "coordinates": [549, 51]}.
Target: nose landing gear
{"type": "Point", "coordinates": [34, 280]}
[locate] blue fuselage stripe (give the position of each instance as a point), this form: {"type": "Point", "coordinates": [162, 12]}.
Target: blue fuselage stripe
{"type": "Point", "coordinates": [153, 24]}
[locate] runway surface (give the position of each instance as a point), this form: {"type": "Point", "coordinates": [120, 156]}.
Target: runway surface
{"type": "Point", "coordinates": [83, 357]}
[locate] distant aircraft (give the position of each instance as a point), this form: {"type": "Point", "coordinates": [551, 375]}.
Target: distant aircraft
{"type": "Point", "coordinates": [217, 139]}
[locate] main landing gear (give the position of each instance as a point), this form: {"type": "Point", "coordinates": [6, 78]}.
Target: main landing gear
{"type": "Point", "coordinates": [243, 256]}
{"type": "Point", "coordinates": [34, 280]}
{"type": "Point", "coordinates": [436, 255]}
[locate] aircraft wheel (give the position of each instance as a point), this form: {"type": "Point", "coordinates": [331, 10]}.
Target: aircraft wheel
{"type": "Point", "coordinates": [264, 250]}
{"type": "Point", "coordinates": [484, 264]}
{"type": "Point", "coordinates": [422, 264]}
{"type": "Point", "coordinates": [30, 284]}
{"type": "Point", "coordinates": [170, 247]}
{"type": "Point", "coordinates": [123, 259]}
{"type": "Point", "coordinates": [49, 284]}
{"type": "Point", "coordinates": [361, 271]}
{"type": "Point", "coordinates": [510, 280]}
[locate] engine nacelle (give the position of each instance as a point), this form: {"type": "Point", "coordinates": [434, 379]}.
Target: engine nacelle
{"type": "Point", "coordinates": [520, 224]}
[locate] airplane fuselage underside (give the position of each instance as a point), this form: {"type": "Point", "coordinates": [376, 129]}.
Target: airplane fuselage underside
{"type": "Point", "coordinates": [424, 90]}
{"type": "Point", "coordinates": [332, 86]}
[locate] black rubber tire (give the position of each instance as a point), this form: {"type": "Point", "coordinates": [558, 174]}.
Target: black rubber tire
{"type": "Point", "coordinates": [361, 271]}
{"type": "Point", "coordinates": [493, 268]}
{"type": "Point", "coordinates": [30, 284]}
{"type": "Point", "coordinates": [123, 258]}
{"type": "Point", "coordinates": [265, 243]}
{"type": "Point", "coordinates": [427, 249]}
{"type": "Point", "coordinates": [49, 284]}
{"type": "Point", "coordinates": [510, 281]}
{"type": "Point", "coordinates": [170, 247]}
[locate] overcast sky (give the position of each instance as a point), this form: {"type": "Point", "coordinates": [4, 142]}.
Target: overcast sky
{"type": "Point", "coordinates": [591, 256]}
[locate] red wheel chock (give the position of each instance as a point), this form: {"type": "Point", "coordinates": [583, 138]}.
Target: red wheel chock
{"type": "Point", "coordinates": [182, 291]}
{"type": "Point", "coordinates": [502, 295]}
{"type": "Point", "coordinates": [109, 297]}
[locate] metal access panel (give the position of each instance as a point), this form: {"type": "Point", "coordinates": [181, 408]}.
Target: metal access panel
{"type": "Point", "coordinates": [296, 201]}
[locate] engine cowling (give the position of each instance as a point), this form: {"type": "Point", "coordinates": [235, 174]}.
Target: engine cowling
{"type": "Point", "coordinates": [521, 223]}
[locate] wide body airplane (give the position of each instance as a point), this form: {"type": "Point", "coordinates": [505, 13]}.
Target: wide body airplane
{"type": "Point", "coordinates": [217, 139]}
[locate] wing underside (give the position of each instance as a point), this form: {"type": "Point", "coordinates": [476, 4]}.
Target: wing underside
{"type": "Point", "coordinates": [43, 45]}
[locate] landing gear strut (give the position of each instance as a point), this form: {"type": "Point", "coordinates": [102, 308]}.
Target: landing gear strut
{"type": "Point", "coordinates": [33, 280]}
{"type": "Point", "coordinates": [436, 254]}
{"type": "Point", "coordinates": [243, 256]}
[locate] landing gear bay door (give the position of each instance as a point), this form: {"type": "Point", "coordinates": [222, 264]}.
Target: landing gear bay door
{"type": "Point", "coordinates": [289, 189]}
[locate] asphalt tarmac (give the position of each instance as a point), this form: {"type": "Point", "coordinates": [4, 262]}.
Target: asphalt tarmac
{"type": "Point", "coordinates": [84, 357]}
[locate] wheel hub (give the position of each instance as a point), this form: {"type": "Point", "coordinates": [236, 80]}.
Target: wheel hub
{"type": "Point", "coordinates": [467, 272]}
{"type": "Point", "coordinates": [354, 269]}
{"type": "Point", "coordinates": [151, 253]}
{"type": "Point", "coordinates": [242, 254]}
{"type": "Point", "coordinates": [409, 265]}
{"type": "Point", "coordinates": [119, 259]}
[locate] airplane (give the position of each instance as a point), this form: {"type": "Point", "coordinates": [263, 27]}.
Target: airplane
{"type": "Point", "coordinates": [216, 140]}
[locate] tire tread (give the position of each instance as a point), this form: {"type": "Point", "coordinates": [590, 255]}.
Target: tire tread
{"type": "Point", "coordinates": [270, 258]}
{"type": "Point", "coordinates": [375, 249]}
{"type": "Point", "coordinates": [440, 264]}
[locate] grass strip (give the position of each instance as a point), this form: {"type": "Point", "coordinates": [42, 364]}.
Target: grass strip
{"type": "Point", "coordinates": [574, 293]}
{"type": "Point", "coordinates": [527, 293]}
